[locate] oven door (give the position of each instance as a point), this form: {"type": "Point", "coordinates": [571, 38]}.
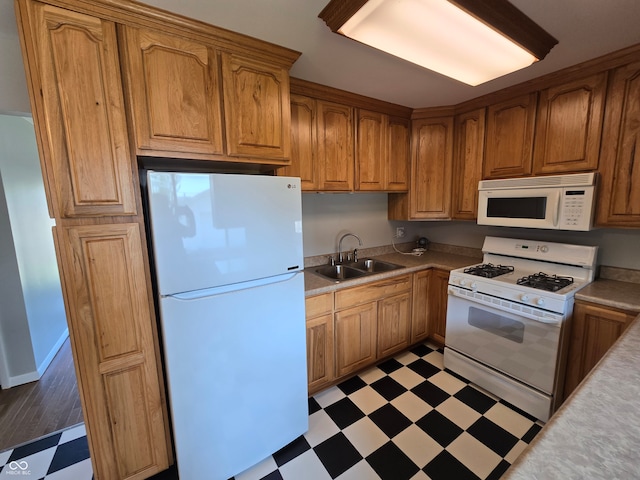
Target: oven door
{"type": "Point", "coordinates": [493, 332]}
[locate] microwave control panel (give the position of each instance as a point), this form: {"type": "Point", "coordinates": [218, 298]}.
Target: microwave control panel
{"type": "Point", "coordinates": [575, 208]}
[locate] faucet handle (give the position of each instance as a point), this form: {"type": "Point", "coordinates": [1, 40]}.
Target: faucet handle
{"type": "Point", "coordinates": [355, 254]}
{"type": "Point", "coordinates": [332, 261]}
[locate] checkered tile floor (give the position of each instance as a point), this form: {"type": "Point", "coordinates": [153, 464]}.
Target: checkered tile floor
{"type": "Point", "coordinates": [407, 418]}
{"type": "Point", "coordinates": [60, 456]}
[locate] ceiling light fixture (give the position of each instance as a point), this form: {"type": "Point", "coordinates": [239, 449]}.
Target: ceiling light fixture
{"type": "Point", "coordinates": [473, 41]}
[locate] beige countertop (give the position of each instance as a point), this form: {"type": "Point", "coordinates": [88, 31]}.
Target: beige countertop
{"type": "Point", "coordinates": [612, 293]}
{"type": "Point", "coordinates": [316, 284]}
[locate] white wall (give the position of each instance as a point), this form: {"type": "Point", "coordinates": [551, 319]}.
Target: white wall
{"type": "Point", "coordinates": [326, 217]}
{"type": "Point", "coordinates": [33, 324]}
{"type": "Point", "coordinates": [14, 98]}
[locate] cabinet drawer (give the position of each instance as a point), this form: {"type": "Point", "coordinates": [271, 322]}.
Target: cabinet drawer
{"type": "Point", "coordinates": [319, 305]}
{"type": "Point", "coordinates": [372, 291]}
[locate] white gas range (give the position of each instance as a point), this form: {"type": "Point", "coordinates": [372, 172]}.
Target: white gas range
{"type": "Point", "coordinates": [507, 319]}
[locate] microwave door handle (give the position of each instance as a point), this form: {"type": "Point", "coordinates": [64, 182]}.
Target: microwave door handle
{"type": "Point", "coordinates": [556, 210]}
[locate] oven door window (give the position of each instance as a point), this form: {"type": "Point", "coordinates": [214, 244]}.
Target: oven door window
{"type": "Point", "coordinates": [505, 327]}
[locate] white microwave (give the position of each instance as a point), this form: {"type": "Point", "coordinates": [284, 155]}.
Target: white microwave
{"type": "Point", "coordinates": [560, 202]}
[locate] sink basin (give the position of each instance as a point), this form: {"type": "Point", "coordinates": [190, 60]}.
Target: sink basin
{"type": "Point", "coordinates": [371, 265]}
{"type": "Point", "coordinates": [339, 272]}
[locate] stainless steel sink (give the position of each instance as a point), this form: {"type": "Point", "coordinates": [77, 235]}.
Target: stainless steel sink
{"type": "Point", "coordinates": [339, 272]}
{"type": "Point", "coordinates": [367, 266]}
{"type": "Point", "coordinates": [374, 266]}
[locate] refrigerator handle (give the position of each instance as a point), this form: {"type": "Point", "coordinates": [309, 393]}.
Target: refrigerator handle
{"type": "Point", "coordinates": [234, 287]}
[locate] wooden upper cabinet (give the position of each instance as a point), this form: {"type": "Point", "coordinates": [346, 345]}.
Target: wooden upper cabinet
{"type": "Point", "coordinates": [398, 154]}
{"type": "Point", "coordinates": [335, 146]}
{"type": "Point", "coordinates": [468, 157]}
{"type": "Point", "coordinates": [77, 102]}
{"type": "Point", "coordinates": [569, 126]}
{"type": "Point", "coordinates": [371, 150]}
{"type": "Point", "coordinates": [119, 383]}
{"type": "Point", "coordinates": [304, 143]}
{"type": "Point", "coordinates": [432, 167]}
{"type": "Point", "coordinates": [174, 93]}
{"type": "Point", "coordinates": [509, 139]}
{"type": "Point", "coordinates": [429, 197]}
{"type": "Point", "coordinates": [382, 152]}
{"type": "Point", "coordinates": [619, 197]}
{"type": "Point", "coordinates": [257, 108]}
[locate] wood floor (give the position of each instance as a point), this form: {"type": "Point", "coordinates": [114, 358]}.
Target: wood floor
{"type": "Point", "coordinates": [35, 409]}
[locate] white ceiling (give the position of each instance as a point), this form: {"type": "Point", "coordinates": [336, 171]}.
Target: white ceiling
{"type": "Point", "coordinates": [585, 29]}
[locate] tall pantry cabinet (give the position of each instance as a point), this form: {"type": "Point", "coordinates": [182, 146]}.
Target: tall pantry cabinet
{"type": "Point", "coordinates": [89, 116]}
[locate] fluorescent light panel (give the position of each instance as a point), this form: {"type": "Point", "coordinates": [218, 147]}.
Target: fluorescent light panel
{"type": "Point", "coordinates": [439, 36]}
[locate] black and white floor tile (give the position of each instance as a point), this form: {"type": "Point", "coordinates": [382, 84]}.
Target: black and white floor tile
{"type": "Point", "coordinates": [406, 419]}
{"type": "Point", "coordinates": [60, 456]}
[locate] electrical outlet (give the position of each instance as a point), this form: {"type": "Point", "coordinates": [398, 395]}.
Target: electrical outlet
{"type": "Point", "coordinates": [399, 232]}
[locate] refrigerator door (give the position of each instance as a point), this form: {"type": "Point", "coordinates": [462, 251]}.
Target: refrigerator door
{"type": "Point", "coordinates": [236, 369]}
{"type": "Point", "coordinates": [220, 229]}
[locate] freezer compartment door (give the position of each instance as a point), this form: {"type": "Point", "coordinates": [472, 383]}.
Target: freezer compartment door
{"type": "Point", "coordinates": [220, 229]}
{"type": "Point", "coordinates": [236, 369]}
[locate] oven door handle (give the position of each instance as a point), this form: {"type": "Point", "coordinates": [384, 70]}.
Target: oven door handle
{"type": "Point", "coordinates": [470, 297]}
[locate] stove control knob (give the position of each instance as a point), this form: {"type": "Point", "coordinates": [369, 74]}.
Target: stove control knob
{"type": "Point", "coordinates": [540, 302]}
{"type": "Point", "coordinates": [474, 286]}
{"type": "Point", "coordinates": [524, 297]}
{"type": "Point", "coordinates": [544, 249]}
{"type": "Point", "coordinates": [463, 282]}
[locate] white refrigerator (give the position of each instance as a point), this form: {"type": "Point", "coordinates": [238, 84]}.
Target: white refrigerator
{"type": "Point", "coordinates": [228, 260]}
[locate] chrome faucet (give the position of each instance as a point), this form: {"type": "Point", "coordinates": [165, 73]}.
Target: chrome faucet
{"type": "Point", "coordinates": [340, 257]}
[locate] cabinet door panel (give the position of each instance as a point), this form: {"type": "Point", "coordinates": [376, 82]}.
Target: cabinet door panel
{"type": "Point", "coordinates": [394, 324]}
{"type": "Point", "coordinates": [569, 126]}
{"type": "Point", "coordinates": [173, 88]}
{"type": "Point", "coordinates": [355, 337]}
{"type": "Point", "coordinates": [304, 144]}
{"type": "Point", "coordinates": [398, 150]}
{"type": "Point", "coordinates": [257, 108]}
{"type": "Point", "coordinates": [420, 309]}
{"type": "Point", "coordinates": [431, 172]}
{"type": "Point", "coordinates": [319, 351]}
{"type": "Point", "coordinates": [509, 147]}
{"type": "Point", "coordinates": [371, 149]}
{"type": "Point", "coordinates": [438, 305]}
{"type": "Point", "coordinates": [335, 146]}
{"type": "Point", "coordinates": [81, 126]}
{"type": "Point", "coordinates": [594, 329]}
{"type": "Point", "coordinates": [619, 196]}
{"type": "Point", "coordinates": [110, 325]}
{"type": "Point", "coordinates": [467, 163]}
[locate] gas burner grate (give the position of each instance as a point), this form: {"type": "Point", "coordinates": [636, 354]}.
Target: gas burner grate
{"type": "Point", "coordinates": [542, 281]}
{"type": "Point", "coordinates": [488, 270]}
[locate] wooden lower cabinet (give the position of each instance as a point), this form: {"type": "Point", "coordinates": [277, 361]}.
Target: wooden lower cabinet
{"type": "Point", "coordinates": [394, 324]}
{"type": "Point", "coordinates": [420, 310]}
{"type": "Point", "coordinates": [371, 322]}
{"type": "Point", "coordinates": [594, 329]}
{"type": "Point", "coordinates": [438, 305]}
{"type": "Point", "coordinates": [110, 317]}
{"type": "Point", "coordinates": [355, 331]}
{"type": "Point", "coordinates": [319, 341]}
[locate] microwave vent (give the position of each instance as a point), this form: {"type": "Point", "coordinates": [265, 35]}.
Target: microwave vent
{"type": "Point", "coordinates": [573, 180]}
